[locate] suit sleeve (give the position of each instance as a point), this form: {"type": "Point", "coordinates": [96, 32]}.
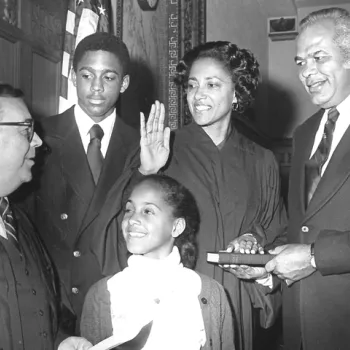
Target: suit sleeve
{"type": "Point", "coordinates": [96, 324]}
{"type": "Point", "coordinates": [332, 252]}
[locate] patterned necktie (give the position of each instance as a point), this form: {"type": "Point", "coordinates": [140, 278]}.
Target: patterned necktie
{"type": "Point", "coordinates": [313, 167]}
{"type": "Point", "coordinates": [94, 155]}
{"type": "Point", "coordinates": [9, 221]}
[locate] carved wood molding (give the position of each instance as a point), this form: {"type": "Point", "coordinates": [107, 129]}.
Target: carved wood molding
{"type": "Point", "coordinates": [9, 11]}
{"type": "Point", "coordinates": [47, 27]}
{"type": "Point", "coordinates": [194, 33]}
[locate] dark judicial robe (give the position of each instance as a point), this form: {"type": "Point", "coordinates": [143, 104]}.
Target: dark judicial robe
{"type": "Point", "coordinates": [237, 189]}
{"type": "Point", "coordinates": [28, 294]}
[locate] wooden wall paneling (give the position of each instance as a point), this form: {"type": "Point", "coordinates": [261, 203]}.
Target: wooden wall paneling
{"type": "Point", "coordinates": [31, 39]}
{"type": "Point", "coordinates": [45, 85]}
{"type": "Point", "coordinates": [9, 62]}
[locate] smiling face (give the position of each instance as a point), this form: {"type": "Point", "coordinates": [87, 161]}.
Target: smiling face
{"type": "Point", "coordinates": [322, 69]}
{"type": "Point", "coordinates": [210, 93]}
{"type": "Point", "coordinates": [99, 80]}
{"type": "Point", "coordinates": [17, 154]}
{"type": "Point", "coordinates": [149, 227]}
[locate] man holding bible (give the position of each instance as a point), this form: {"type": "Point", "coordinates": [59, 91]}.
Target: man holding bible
{"type": "Point", "coordinates": [316, 263]}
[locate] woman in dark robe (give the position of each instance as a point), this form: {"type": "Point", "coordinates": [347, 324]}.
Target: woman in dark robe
{"type": "Point", "coordinates": [235, 182]}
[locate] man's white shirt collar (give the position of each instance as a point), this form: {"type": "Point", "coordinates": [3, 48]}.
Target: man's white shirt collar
{"type": "Point", "coordinates": [84, 123]}
{"type": "Point", "coordinates": [341, 126]}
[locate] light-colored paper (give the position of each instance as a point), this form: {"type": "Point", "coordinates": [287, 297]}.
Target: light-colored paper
{"type": "Point", "coordinates": [107, 344]}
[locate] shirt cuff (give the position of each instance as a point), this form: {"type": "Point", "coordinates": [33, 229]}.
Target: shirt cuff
{"type": "Point", "coordinates": [266, 281]}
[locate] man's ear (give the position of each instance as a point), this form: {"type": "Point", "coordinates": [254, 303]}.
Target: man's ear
{"type": "Point", "coordinates": [125, 83]}
{"type": "Point", "coordinates": [178, 227]}
{"type": "Point", "coordinates": [74, 78]}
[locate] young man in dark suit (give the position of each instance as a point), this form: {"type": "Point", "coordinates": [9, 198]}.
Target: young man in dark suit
{"type": "Point", "coordinates": [88, 147]}
{"type": "Point", "coordinates": [316, 263]}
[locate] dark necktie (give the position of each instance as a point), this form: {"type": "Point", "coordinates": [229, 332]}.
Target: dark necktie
{"type": "Point", "coordinates": [94, 155]}
{"type": "Point", "coordinates": [313, 167]}
{"type": "Point", "coordinates": [9, 221]}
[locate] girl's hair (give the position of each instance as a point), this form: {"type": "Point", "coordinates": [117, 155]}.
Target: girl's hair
{"type": "Point", "coordinates": [183, 205]}
{"type": "Point", "coordinates": [239, 63]}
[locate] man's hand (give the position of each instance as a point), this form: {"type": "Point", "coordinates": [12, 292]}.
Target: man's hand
{"type": "Point", "coordinates": [246, 272]}
{"type": "Point", "coordinates": [245, 244]}
{"type": "Point", "coordinates": [154, 140]}
{"type": "Point", "coordinates": [75, 343]}
{"type": "Point", "coordinates": [292, 262]}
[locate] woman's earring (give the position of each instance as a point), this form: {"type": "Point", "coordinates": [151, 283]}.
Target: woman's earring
{"type": "Point", "coordinates": [234, 106]}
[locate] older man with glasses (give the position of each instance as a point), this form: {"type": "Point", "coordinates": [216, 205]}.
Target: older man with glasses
{"type": "Point", "coordinates": [29, 303]}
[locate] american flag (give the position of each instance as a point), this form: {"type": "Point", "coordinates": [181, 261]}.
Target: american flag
{"type": "Point", "coordinates": [84, 17]}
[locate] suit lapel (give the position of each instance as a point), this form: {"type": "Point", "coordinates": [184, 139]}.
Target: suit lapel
{"type": "Point", "coordinates": [304, 143]}
{"type": "Point", "coordinates": [73, 158]}
{"type": "Point", "coordinates": [113, 166]}
{"type": "Point", "coordinates": [336, 173]}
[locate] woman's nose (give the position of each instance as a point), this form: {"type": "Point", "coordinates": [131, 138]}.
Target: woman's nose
{"type": "Point", "coordinates": [200, 93]}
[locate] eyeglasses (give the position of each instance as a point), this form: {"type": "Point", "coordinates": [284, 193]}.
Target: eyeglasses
{"type": "Point", "coordinates": [29, 123]}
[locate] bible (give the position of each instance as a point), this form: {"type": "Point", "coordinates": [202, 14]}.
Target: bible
{"type": "Point", "coordinates": [226, 258]}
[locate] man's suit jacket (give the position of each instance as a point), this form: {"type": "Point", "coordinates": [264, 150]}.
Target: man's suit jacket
{"type": "Point", "coordinates": [317, 309]}
{"type": "Point", "coordinates": [67, 202]}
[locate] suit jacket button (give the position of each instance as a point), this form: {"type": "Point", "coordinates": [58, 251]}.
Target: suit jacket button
{"type": "Point", "coordinates": [75, 290]}
{"type": "Point", "coordinates": [76, 253]}
{"type": "Point", "coordinates": [305, 229]}
{"type": "Point", "coordinates": [64, 216]}
{"type": "Point", "coordinates": [204, 300]}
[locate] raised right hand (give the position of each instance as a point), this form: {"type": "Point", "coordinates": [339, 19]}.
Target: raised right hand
{"type": "Point", "coordinates": [154, 141]}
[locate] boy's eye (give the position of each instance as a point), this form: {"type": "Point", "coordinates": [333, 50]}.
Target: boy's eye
{"type": "Point", "coordinates": [299, 63]}
{"type": "Point", "coordinates": [86, 76]}
{"type": "Point", "coordinates": [109, 78]}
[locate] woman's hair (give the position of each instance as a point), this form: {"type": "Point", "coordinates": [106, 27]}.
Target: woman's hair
{"type": "Point", "coordinates": [239, 63]}
{"type": "Point", "coordinates": [183, 205]}
{"type": "Point", "coordinates": [341, 20]}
